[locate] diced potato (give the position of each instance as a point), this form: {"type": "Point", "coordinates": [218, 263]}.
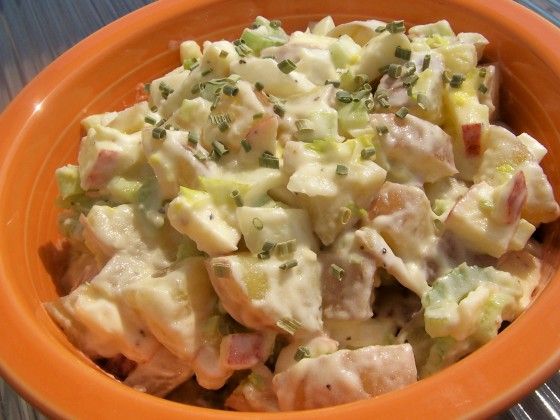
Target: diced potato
{"type": "Point", "coordinates": [347, 295]}
{"type": "Point", "coordinates": [344, 376]}
{"type": "Point", "coordinates": [259, 293]}
{"type": "Point", "coordinates": [192, 213]}
{"type": "Point", "coordinates": [361, 31]}
{"type": "Point", "coordinates": [323, 27]}
{"type": "Point", "coordinates": [471, 219]}
{"type": "Point", "coordinates": [422, 148]}
{"type": "Point", "coordinates": [380, 51]}
{"type": "Point", "coordinates": [189, 50]}
{"type": "Point", "coordinates": [279, 225]}
{"type": "Point", "coordinates": [275, 82]}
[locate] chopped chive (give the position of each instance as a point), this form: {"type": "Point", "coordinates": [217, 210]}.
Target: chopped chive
{"type": "Point", "coordinates": [165, 90]}
{"type": "Point", "coordinates": [237, 198]}
{"type": "Point", "coordinates": [422, 101]}
{"type": "Point", "coordinates": [343, 96]}
{"type": "Point", "coordinates": [288, 264]}
{"type": "Point", "coordinates": [149, 120]}
{"type": "Point", "coordinates": [382, 98]}
{"type": "Point", "coordinates": [230, 90]}
{"type": "Point", "coordinates": [147, 87]}
{"type": "Point", "coordinates": [341, 169]}
{"type": "Point", "coordinates": [221, 270]}
{"type": "Point", "coordinates": [370, 105]}
{"type": "Point", "coordinates": [159, 133]}
{"type": "Point", "coordinates": [275, 24]}
{"type": "Point", "coordinates": [259, 86]}
{"type": "Point", "coordinates": [161, 122]}
{"type": "Point", "coordinates": [268, 246]}
{"type": "Point", "coordinates": [426, 61]}
{"type": "Point", "coordinates": [190, 63]}
{"type": "Point", "coordinates": [196, 89]}
{"type": "Point", "coordinates": [207, 72]}
{"type": "Point", "coordinates": [289, 325]}
{"type": "Point", "coordinates": [446, 76]}
{"type": "Point", "coordinates": [335, 83]}
{"type": "Point", "coordinates": [302, 353]}
{"type": "Point", "coordinates": [402, 112]}
{"type": "Point", "coordinates": [278, 110]}
{"type": "Point", "coordinates": [403, 53]}
{"type": "Point", "coordinates": [246, 145]}
{"type": "Point", "coordinates": [267, 160]}
{"type": "Point", "coordinates": [219, 119]}
{"type": "Point", "coordinates": [394, 71]}
{"type": "Point", "coordinates": [223, 54]}
{"type": "Point", "coordinates": [345, 214]}
{"type": "Point", "coordinates": [258, 115]}
{"type": "Point", "coordinates": [360, 79]}
{"type": "Point", "coordinates": [153, 108]}
{"type": "Point", "coordinates": [367, 87]}
{"type": "Point", "coordinates": [482, 88]}
{"type": "Point", "coordinates": [456, 80]}
{"type": "Point", "coordinates": [380, 29]}
{"type": "Point", "coordinates": [410, 80]}
{"type": "Point", "coordinates": [193, 138]}
{"type": "Point", "coordinates": [337, 272]}
{"type": "Point", "coordinates": [367, 152]}
{"type": "Point", "coordinates": [286, 247]}
{"type": "Point", "coordinates": [482, 72]}
{"type": "Point", "coordinates": [384, 69]}
{"type": "Point", "coordinates": [200, 156]}
{"type": "Point", "coordinates": [286, 66]}
{"type": "Point", "coordinates": [304, 126]}
{"type": "Point", "coordinates": [242, 61]}
{"type": "Point", "coordinates": [223, 126]}
{"type": "Point", "coordinates": [395, 26]}
{"type": "Point", "coordinates": [409, 68]}
{"type": "Point", "coordinates": [215, 102]}
{"type": "Point", "coordinates": [381, 129]}
{"type": "Point", "coordinates": [257, 223]}
{"type": "Point", "coordinates": [263, 255]}
{"type": "Point", "coordinates": [219, 149]}
{"type": "Point", "coordinates": [242, 49]}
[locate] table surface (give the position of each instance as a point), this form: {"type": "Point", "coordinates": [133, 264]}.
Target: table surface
{"type": "Point", "coordinates": [34, 32]}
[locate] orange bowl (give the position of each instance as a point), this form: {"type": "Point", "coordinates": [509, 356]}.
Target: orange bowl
{"type": "Point", "coordinates": [41, 132]}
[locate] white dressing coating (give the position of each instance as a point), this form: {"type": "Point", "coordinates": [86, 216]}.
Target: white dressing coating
{"type": "Point", "coordinates": [301, 220]}
{"type": "Point", "coordinates": [344, 376]}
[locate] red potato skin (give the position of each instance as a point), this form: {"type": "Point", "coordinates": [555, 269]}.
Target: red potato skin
{"type": "Point", "coordinates": [103, 169]}
{"type": "Point", "coordinates": [269, 123]}
{"type": "Point", "coordinates": [516, 199]}
{"type": "Point", "coordinates": [471, 139]}
{"type": "Point", "coordinates": [243, 350]}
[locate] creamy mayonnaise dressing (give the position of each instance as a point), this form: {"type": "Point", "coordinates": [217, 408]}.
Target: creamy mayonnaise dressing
{"type": "Point", "coordinates": [294, 221]}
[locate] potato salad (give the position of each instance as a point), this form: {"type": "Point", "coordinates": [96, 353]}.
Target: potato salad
{"type": "Point", "coordinates": [294, 221]}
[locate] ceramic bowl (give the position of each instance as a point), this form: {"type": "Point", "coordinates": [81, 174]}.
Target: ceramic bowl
{"type": "Point", "coordinates": [40, 131]}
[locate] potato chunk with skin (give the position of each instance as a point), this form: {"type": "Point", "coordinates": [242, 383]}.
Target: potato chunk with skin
{"type": "Point", "coordinates": [174, 161]}
{"type": "Point", "coordinates": [193, 214]}
{"type": "Point", "coordinates": [312, 168]}
{"type": "Point", "coordinates": [423, 149]}
{"type": "Point", "coordinates": [487, 218]}
{"type": "Point", "coordinates": [104, 153]}
{"type": "Point", "coordinates": [159, 375]}
{"type": "Point", "coordinates": [350, 296]}
{"type": "Point", "coordinates": [409, 275]}
{"type": "Point", "coordinates": [259, 293]}
{"type": "Point", "coordinates": [380, 51]}
{"type": "Point", "coordinates": [255, 393]}
{"type": "Point", "coordinates": [174, 305]}
{"type": "Point", "coordinates": [266, 71]}
{"type": "Point", "coordinates": [344, 376]}
{"type": "Point", "coordinates": [402, 215]}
